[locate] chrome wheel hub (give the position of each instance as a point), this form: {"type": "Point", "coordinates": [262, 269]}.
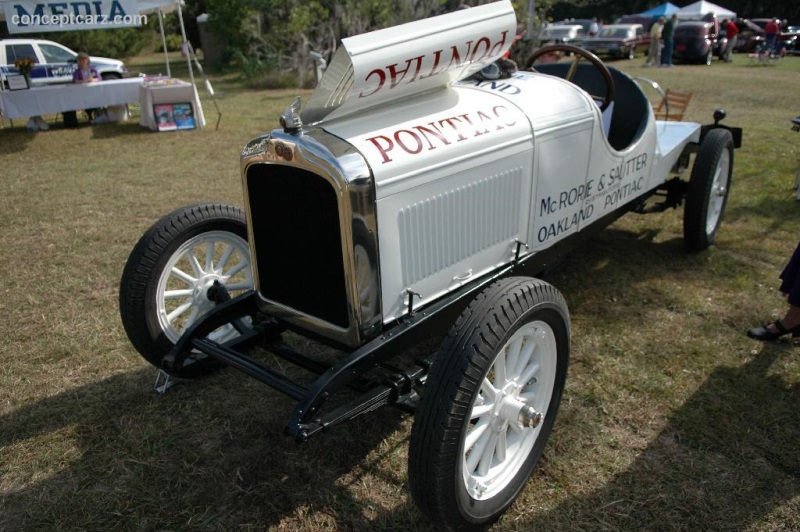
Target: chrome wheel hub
{"type": "Point", "coordinates": [190, 273]}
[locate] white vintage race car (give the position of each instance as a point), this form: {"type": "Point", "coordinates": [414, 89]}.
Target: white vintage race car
{"type": "Point", "coordinates": [413, 195]}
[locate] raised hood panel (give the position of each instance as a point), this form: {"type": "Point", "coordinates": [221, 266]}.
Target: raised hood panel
{"type": "Point", "coordinates": [396, 63]}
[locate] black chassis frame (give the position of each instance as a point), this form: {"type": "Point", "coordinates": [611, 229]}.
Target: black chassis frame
{"type": "Point", "coordinates": [400, 387]}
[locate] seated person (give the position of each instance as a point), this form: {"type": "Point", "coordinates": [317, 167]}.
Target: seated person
{"type": "Point", "coordinates": [84, 74]}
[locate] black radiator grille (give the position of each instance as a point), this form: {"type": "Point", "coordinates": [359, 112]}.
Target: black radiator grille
{"type": "Point", "coordinates": [298, 246]}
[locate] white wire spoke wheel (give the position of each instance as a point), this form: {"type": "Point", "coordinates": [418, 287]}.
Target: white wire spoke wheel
{"type": "Point", "coordinates": [183, 288]}
{"type": "Point", "coordinates": [489, 403]}
{"type": "Point", "coordinates": [166, 282]}
{"type": "Point", "coordinates": [708, 189]}
{"type": "Point", "coordinates": [497, 441]}
{"type": "Point", "coordinates": [719, 192]}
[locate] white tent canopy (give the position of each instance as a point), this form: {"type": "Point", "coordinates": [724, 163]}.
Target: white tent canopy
{"type": "Point", "coordinates": [702, 8]}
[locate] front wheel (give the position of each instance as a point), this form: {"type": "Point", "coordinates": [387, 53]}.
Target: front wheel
{"type": "Point", "coordinates": [167, 282]}
{"type": "Point", "coordinates": [489, 403]}
{"type": "Point", "coordinates": [708, 189]}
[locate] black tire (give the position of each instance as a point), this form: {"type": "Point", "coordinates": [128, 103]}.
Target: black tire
{"type": "Point", "coordinates": [530, 318]}
{"type": "Point", "coordinates": [110, 75]}
{"type": "Point", "coordinates": [707, 193]}
{"type": "Point", "coordinates": [153, 291]}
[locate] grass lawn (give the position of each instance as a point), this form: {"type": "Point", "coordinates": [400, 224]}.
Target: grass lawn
{"type": "Point", "coordinates": [672, 419]}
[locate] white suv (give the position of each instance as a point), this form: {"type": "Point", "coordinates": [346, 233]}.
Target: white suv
{"type": "Point", "coordinates": [54, 63]}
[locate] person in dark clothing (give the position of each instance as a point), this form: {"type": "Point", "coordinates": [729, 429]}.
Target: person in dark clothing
{"type": "Point", "coordinates": [666, 35]}
{"type": "Point", "coordinates": [790, 287]}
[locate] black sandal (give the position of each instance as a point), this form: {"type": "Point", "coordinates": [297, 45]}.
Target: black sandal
{"type": "Point", "coordinates": [764, 334]}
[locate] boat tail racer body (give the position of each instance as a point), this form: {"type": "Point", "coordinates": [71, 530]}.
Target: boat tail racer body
{"type": "Point", "coordinates": [404, 194]}
{"type": "Point", "coordinates": [536, 140]}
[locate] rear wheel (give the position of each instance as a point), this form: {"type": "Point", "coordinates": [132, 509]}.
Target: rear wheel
{"type": "Point", "coordinates": [708, 188]}
{"type": "Point", "coordinates": [489, 403]}
{"type": "Point", "coordinates": [167, 282]}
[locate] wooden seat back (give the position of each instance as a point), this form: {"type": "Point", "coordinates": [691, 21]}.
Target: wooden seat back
{"type": "Point", "coordinates": [673, 105]}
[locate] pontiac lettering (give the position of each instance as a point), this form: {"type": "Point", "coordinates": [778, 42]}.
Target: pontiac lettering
{"type": "Point", "coordinates": [440, 60]}
{"type": "Point", "coordinates": [624, 191]}
{"type": "Point", "coordinates": [442, 132]}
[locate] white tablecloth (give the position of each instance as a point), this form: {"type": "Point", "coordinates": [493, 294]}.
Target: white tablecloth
{"type": "Point", "coordinates": [175, 92]}
{"type": "Point", "coordinates": [62, 97]}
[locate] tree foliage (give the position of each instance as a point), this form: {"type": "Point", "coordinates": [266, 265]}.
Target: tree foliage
{"type": "Point", "coordinates": [264, 36]}
{"type": "Point", "coordinates": [261, 36]}
{"type": "Point", "coordinates": [114, 43]}
{"type": "Point", "coordinates": [276, 36]}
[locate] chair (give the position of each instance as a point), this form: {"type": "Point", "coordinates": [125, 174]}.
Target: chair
{"type": "Point", "coordinates": [673, 105]}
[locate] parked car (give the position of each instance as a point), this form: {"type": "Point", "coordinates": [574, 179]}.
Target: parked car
{"type": "Point", "coordinates": [394, 202]}
{"type": "Point", "coordinates": [792, 40]}
{"type": "Point", "coordinates": [55, 63]}
{"type": "Point", "coordinates": [585, 23]}
{"type": "Point", "coordinates": [697, 42]}
{"type": "Point", "coordinates": [619, 40]}
{"type": "Point", "coordinates": [750, 35]}
{"type": "Point", "coordinates": [563, 34]}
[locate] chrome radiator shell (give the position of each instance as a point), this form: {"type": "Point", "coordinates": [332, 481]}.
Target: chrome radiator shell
{"type": "Point", "coordinates": [283, 171]}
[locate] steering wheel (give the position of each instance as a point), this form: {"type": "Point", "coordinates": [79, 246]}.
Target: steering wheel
{"type": "Point", "coordinates": [578, 54]}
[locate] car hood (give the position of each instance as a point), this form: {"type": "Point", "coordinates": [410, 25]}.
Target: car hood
{"type": "Point", "coordinates": [104, 61]}
{"type": "Point", "coordinates": [392, 64]}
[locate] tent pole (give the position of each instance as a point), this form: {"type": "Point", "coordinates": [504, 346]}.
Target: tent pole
{"type": "Point", "coordinates": [185, 49]}
{"type": "Point", "coordinates": [164, 40]}
{"type": "Point", "coordinates": [529, 20]}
